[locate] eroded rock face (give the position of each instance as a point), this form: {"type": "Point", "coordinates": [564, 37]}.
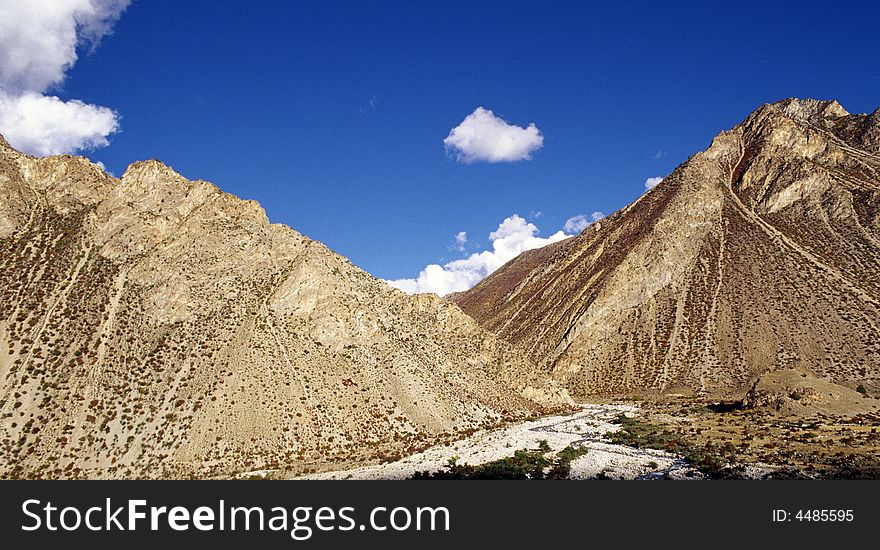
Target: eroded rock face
{"type": "Point", "coordinates": [760, 253]}
{"type": "Point", "coordinates": [153, 326]}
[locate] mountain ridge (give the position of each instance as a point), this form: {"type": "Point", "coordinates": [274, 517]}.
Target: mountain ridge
{"type": "Point", "coordinates": [153, 326]}
{"type": "Point", "coordinates": [662, 295]}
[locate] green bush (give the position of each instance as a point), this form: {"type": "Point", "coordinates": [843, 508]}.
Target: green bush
{"type": "Point", "coordinates": [524, 464]}
{"type": "Point", "coordinates": [711, 461]}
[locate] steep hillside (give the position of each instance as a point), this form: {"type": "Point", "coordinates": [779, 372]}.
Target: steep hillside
{"type": "Point", "coordinates": [153, 326]}
{"type": "Point", "coordinates": [760, 253]}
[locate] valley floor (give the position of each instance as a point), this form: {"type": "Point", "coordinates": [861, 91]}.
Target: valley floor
{"type": "Point", "coordinates": [806, 439]}
{"type": "Point", "coordinates": [588, 428]}
{"type": "Point", "coordinates": [666, 439]}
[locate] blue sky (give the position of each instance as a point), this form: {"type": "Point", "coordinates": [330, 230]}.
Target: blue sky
{"type": "Point", "coordinates": [333, 114]}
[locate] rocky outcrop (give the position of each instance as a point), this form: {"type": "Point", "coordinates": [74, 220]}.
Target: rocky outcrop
{"type": "Point", "coordinates": [152, 326]}
{"type": "Point", "coordinates": [760, 253]}
{"type": "Point", "coordinates": [800, 393]}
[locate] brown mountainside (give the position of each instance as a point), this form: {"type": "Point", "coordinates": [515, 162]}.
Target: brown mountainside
{"type": "Point", "coordinates": [760, 253]}
{"type": "Point", "coordinates": [153, 326]}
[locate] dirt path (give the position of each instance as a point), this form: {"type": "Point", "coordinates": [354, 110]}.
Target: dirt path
{"type": "Point", "coordinates": [584, 428]}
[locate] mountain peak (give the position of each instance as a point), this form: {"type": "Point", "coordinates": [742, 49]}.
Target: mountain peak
{"type": "Point", "coordinates": [810, 109]}
{"type": "Point", "coordinates": [3, 142]}
{"type": "Point", "coordinates": [770, 236]}
{"type": "Point", "coordinates": [151, 169]}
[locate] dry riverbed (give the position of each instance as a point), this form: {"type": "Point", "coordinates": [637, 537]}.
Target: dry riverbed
{"type": "Point", "coordinates": [588, 428]}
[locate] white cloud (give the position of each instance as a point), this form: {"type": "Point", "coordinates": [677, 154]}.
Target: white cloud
{"type": "Point", "coordinates": [461, 240]}
{"type": "Point", "coordinates": [482, 136]}
{"type": "Point", "coordinates": [576, 224]}
{"type": "Point", "coordinates": [651, 183]}
{"type": "Point", "coordinates": [513, 236]}
{"type": "Point", "coordinates": [45, 125]}
{"type": "Point", "coordinates": [103, 167]}
{"type": "Point", "coordinates": [38, 45]}
{"type": "Point", "coordinates": [38, 39]}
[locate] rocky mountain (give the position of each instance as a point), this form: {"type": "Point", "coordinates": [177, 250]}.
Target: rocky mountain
{"type": "Point", "coordinates": [760, 253]}
{"type": "Point", "coordinates": [152, 326]}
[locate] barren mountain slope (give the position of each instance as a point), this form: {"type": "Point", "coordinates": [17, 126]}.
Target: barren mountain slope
{"type": "Point", "coordinates": [153, 326]}
{"type": "Point", "coordinates": [760, 253]}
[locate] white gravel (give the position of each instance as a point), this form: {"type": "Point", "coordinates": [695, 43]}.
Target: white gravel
{"type": "Point", "coordinates": [585, 428]}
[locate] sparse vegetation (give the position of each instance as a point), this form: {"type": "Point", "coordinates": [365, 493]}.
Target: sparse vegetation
{"type": "Point", "coordinates": [536, 464]}
{"type": "Point", "coordinates": [712, 461]}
